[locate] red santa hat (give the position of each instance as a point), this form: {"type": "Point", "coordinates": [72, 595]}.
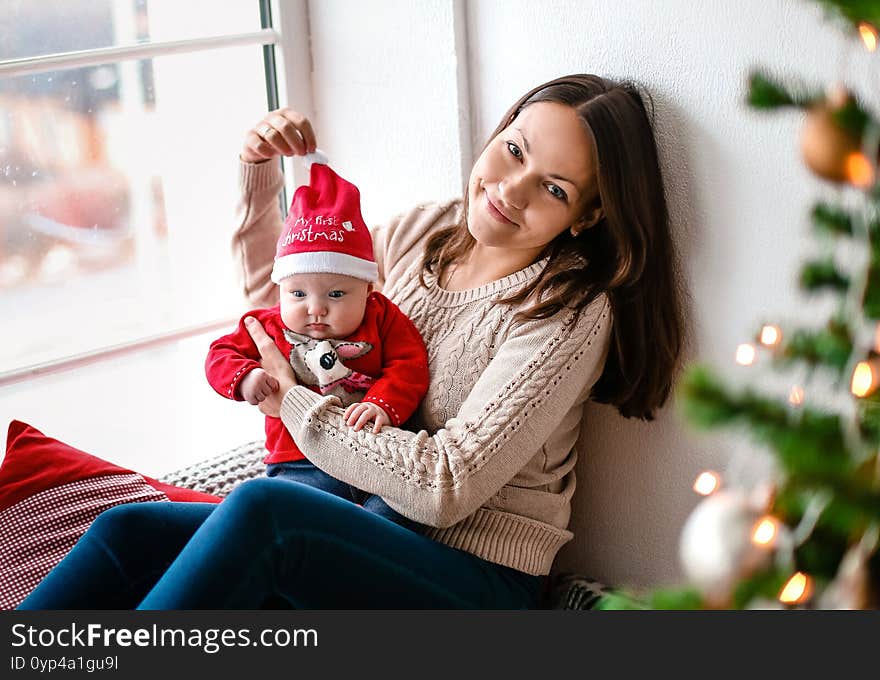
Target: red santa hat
{"type": "Point", "coordinates": [324, 231]}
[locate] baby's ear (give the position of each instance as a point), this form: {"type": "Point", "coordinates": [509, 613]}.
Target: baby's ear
{"type": "Point", "coordinates": [352, 350]}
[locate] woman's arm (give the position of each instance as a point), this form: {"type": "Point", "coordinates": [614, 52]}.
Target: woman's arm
{"type": "Point", "coordinates": [258, 223]}
{"type": "Point", "coordinates": [283, 132]}
{"type": "Point", "coordinates": [542, 370]}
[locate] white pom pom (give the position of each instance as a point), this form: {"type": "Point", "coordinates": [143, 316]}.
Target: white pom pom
{"type": "Point", "coordinates": [317, 156]}
{"type": "Point", "coordinates": [716, 547]}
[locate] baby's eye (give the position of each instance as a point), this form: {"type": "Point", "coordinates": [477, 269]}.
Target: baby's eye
{"type": "Point", "coordinates": [556, 192]}
{"type": "Point", "coordinates": [298, 293]}
{"type": "Point", "coordinates": [515, 151]}
{"type": "Point", "coordinates": [337, 293]}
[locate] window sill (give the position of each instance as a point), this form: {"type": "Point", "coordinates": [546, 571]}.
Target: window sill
{"type": "Point", "coordinates": [152, 412]}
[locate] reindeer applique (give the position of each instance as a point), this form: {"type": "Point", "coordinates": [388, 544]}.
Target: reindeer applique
{"type": "Point", "coordinates": [318, 363]}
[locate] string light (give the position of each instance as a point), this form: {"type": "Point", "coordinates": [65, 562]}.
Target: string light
{"type": "Point", "coordinates": [859, 170]}
{"type": "Point", "coordinates": [864, 379]}
{"type": "Point", "coordinates": [797, 589]}
{"type": "Point", "coordinates": [796, 395]}
{"type": "Point", "coordinates": [745, 354]}
{"type": "Point", "coordinates": [770, 336]}
{"type": "Point", "coordinates": [765, 532]}
{"type": "Point", "coordinates": [869, 35]}
{"type": "Point", "coordinates": [706, 482]}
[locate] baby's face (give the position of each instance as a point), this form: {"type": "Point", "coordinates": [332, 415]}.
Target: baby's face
{"type": "Point", "coordinates": [323, 305]}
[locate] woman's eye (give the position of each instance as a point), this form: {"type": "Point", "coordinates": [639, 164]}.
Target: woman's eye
{"type": "Point", "coordinates": [556, 192]}
{"type": "Point", "coordinates": [515, 151]}
{"type": "Point", "coordinates": [337, 293]}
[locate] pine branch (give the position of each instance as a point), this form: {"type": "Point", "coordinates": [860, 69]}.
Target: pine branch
{"type": "Point", "coordinates": [677, 599]}
{"type": "Point", "coordinates": [869, 416]}
{"type": "Point", "coordinates": [821, 553]}
{"type": "Point", "coordinates": [620, 601]}
{"type": "Point", "coordinates": [871, 301]}
{"type": "Point", "coordinates": [812, 447]}
{"type": "Point", "coordinates": [765, 584]}
{"type": "Point", "coordinates": [670, 598]}
{"type": "Point", "coordinates": [766, 93]}
{"type": "Point", "coordinates": [820, 274]}
{"type": "Point", "coordinates": [810, 444]}
{"type": "Point", "coordinates": [855, 11]}
{"type": "Point", "coordinates": [853, 505]}
{"type": "Point", "coordinates": [830, 346]}
{"type": "Point", "coordinates": [831, 219]}
{"type": "Point", "coordinates": [853, 118]}
{"type": "Point", "coordinates": [834, 220]}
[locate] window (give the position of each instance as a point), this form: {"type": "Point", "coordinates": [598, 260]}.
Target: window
{"type": "Point", "coordinates": [120, 123]}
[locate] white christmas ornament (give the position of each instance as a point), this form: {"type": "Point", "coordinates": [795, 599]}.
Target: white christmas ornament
{"type": "Point", "coordinates": [716, 548]}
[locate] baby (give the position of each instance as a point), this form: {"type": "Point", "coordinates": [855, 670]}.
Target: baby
{"type": "Point", "coordinates": [342, 337]}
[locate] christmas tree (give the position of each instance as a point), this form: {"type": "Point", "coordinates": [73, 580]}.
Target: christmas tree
{"type": "Point", "coordinates": [805, 535]}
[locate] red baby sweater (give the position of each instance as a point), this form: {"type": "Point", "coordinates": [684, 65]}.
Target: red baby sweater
{"type": "Point", "coordinates": [397, 361]}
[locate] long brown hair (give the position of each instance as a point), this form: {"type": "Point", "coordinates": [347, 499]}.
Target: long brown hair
{"type": "Point", "coordinates": [627, 254]}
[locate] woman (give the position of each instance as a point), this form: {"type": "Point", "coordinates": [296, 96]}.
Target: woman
{"type": "Point", "coordinates": [543, 288]}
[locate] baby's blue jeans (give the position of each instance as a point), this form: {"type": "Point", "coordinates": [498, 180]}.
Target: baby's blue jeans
{"type": "Point", "coordinates": [271, 544]}
{"type": "Point", "coordinates": [306, 472]}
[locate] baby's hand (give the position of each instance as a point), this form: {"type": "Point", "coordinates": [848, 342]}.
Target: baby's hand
{"type": "Point", "coordinates": [256, 386]}
{"type": "Point", "coordinates": [358, 415]}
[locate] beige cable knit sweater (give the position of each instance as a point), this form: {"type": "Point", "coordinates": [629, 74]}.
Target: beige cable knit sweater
{"type": "Point", "coordinates": [488, 459]}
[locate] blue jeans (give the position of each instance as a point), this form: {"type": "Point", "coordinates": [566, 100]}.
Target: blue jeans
{"type": "Point", "coordinates": [271, 544]}
{"type": "Point", "coordinates": [305, 472]}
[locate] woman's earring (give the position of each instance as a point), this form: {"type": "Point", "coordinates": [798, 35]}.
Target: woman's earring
{"type": "Point", "coordinates": [574, 233]}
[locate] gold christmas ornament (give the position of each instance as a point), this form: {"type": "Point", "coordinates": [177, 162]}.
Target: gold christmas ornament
{"type": "Point", "coordinates": [831, 152]}
{"type": "Point", "coordinates": [825, 146]}
{"type": "Point", "coordinates": [837, 96]}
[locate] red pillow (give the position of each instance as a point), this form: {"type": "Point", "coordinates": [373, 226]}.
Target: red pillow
{"type": "Point", "coordinates": [50, 493]}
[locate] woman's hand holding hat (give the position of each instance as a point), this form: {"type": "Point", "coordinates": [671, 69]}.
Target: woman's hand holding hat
{"type": "Point", "coordinates": [283, 132]}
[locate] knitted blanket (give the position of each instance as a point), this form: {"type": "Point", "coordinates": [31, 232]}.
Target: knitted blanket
{"type": "Point", "coordinates": [222, 473]}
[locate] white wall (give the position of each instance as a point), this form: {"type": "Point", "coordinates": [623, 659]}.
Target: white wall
{"type": "Point", "coordinates": [388, 94]}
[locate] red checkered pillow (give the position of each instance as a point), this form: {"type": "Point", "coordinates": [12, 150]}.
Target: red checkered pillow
{"type": "Point", "coordinates": [50, 493]}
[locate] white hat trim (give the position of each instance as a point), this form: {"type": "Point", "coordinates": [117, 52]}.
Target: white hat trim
{"type": "Point", "coordinates": [324, 262]}
{"type": "Point", "coordinates": [317, 156]}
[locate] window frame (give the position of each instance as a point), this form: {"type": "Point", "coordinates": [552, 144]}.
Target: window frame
{"type": "Point", "coordinates": [286, 72]}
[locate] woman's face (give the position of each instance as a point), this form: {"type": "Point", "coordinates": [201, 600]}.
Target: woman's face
{"type": "Point", "coordinates": [533, 181]}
